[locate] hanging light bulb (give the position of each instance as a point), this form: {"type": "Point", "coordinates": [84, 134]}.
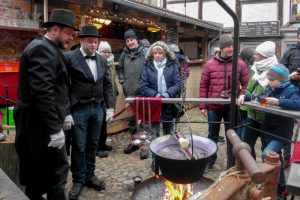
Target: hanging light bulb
{"type": "Point", "coordinates": [107, 22]}
{"type": "Point", "coordinates": [153, 30]}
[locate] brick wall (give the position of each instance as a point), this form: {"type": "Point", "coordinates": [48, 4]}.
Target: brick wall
{"type": "Point", "coordinates": [15, 9]}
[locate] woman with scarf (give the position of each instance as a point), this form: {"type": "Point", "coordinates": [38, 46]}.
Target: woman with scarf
{"type": "Point", "coordinates": [160, 78]}
{"type": "Point", "coordinates": [264, 59]}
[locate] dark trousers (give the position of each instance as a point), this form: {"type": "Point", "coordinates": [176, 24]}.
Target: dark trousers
{"type": "Point", "coordinates": [103, 134]}
{"type": "Point", "coordinates": [251, 135]}
{"type": "Point", "coordinates": [214, 128]}
{"type": "Point", "coordinates": [88, 119]}
{"type": "Point", "coordinates": [56, 174]}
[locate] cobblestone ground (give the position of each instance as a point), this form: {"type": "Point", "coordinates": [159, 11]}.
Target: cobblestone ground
{"type": "Point", "coordinates": [118, 169]}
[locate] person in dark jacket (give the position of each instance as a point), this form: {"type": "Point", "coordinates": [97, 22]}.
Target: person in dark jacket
{"type": "Point", "coordinates": [42, 107]}
{"type": "Point", "coordinates": [160, 78]}
{"type": "Point", "coordinates": [215, 79]}
{"type": "Point", "coordinates": [291, 59]}
{"type": "Point", "coordinates": [280, 94]}
{"type": "Point", "coordinates": [131, 64]}
{"type": "Point", "coordinates": [91, 88]}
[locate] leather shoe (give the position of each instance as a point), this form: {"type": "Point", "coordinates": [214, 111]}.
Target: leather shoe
{"type": "Point", "coordinates": [130, 148]}
{"type": "Point", "coordinates": [75, 191]}
{"type": "Point", "coordinates": [144, 154]}
{"type": "Point", "coordinates": [106, 147]}
{"type": "Point", "coordinates": [102, 154]}
{"type": "Point", "coordinates": [95, 183]}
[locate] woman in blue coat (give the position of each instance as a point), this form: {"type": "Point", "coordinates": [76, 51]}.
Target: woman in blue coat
{"type": "Point", "coordinates": [160, 78]}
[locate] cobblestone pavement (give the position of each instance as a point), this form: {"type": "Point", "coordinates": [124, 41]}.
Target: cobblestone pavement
{"type": "Point", "coordinates": [118, 169]}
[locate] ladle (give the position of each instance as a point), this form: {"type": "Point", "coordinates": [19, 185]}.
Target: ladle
{"type": "Point", "coordinates": [186, 152]}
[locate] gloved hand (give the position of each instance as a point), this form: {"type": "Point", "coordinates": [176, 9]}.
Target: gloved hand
{"type": "Point", "coordinates": [68, 122]}
{"type": "Point", "coordinates": [109, 114]}
{"type": "Point", "coordinates": [57, 140]}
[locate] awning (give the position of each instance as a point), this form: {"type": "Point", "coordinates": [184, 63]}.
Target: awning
{"type": "Point", "coordinates": [171, 15]}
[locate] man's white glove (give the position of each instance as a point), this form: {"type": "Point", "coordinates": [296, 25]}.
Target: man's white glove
{"type": "Point", "coordinates": [109, 114]}
{"type": "Point", "coordinates": [68, 122]}
{"type": "Point", "coordinates": [57, 140]}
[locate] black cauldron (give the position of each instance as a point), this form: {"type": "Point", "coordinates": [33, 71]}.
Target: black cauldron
{"type": "Point", "coordinates": [182, 171]}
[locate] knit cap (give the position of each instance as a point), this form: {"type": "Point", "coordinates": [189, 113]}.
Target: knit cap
{"type": "Point", "coordinates": [174, 48]}
{"type": "Point", "coordinates": [278, 72]}
{"type": "Point", "coordinates": [266, 49]}
{"type": "Point", "coordinates": [224, 41]}
{"type": "Point", "coordinates": [130, 34]}
{"type": "Point", "coordinates": [104, 46]}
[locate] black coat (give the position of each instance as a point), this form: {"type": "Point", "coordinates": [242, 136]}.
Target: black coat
{"type": "Point", "coordinates": [42, 105]}
{"type": "Point", "coordinates": [84, 88]}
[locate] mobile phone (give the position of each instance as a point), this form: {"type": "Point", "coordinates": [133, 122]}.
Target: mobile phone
{"type": "Point", "coordinates": [298, 70]}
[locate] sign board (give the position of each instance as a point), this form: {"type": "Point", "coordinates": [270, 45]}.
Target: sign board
{"type": "Point", "coordinates": [259, 29]}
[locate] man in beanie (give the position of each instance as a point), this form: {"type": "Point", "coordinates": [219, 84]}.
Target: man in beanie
{"type": "Point", "coordinates": [264, 58]}
{"type": "Point", "coordinates": [131, 64]}
{"type": "Point", "coordinates": [291, 59]}
{"type": "Point", "coordinates": [43, 109]}
{"type": "Point", "coordinates": [90, 91]}
{"type": "Point", "coordinates": [104, 50]}
{"type": "Point", "coordinates": [216, 75]}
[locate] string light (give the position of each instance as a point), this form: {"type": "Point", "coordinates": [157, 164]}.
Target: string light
{"type": "Point", "coordinates": [96, 15]}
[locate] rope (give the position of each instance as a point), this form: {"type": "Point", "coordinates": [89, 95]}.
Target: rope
{"type": "Point", "coordinates": [223, 175]}
{"type": "Point", "coordinates": [123, 110]}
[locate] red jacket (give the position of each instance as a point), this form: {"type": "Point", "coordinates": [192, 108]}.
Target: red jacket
{"type": "Point", "coordinates": [212, 81]}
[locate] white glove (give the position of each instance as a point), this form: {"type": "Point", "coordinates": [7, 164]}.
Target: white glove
{"type": "Point", "coordinates": [109, 114]}
{"type": "Point", "coordinates": [68, 122]}
{"type": "Point", "coordinates": [57, 140]}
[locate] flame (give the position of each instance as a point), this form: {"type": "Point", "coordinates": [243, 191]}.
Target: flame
{"type": "Point", "coordinates": [177, 191]}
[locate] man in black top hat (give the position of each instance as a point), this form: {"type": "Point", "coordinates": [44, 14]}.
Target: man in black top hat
{"type": "Point", "coordinates": [91, 89]}
{"type": "Point", "coordinates": [42, 108]}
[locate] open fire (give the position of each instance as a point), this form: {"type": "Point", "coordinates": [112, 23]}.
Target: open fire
{"type": "Point", "coordinates": [175, 191]}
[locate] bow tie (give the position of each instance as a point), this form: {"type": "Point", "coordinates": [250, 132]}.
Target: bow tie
{"type": "Point", "coordinates": [90, 57]}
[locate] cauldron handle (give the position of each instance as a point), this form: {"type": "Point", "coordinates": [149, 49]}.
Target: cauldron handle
{"type": "Point", "coordinates": [242, 150]}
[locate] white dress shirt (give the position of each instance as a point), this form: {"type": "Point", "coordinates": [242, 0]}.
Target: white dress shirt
{"type": "Point", "coordinates": [91, 63]}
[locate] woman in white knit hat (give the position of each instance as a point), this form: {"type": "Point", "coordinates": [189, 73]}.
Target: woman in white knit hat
{"type": "Point", "coordinates": [264, 59]}
{"type": "Point", "coordinates": [104, 50]}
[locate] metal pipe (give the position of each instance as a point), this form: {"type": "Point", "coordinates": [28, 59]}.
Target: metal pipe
{"type": "Point", "coordinates": [188, 100]}
{"type": "Point", "coordinates": [234, 60]}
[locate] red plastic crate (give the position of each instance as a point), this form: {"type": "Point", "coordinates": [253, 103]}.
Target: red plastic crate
{"type": "Point", "coordinates": [9, 76]}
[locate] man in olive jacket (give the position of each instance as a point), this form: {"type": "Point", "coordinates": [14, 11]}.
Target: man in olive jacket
{"type": "Point", "coordinates": [41, 109]}
{"type": "Point", "coordinates": [131, 64]}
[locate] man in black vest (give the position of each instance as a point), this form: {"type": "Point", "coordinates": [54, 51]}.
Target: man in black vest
{"type": "Point", "coordinates": [41, 109]}
{"type": "Point", "coordinates": [91, 88]}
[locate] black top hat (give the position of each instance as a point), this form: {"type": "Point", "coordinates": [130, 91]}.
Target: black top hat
{"type": "Point", "coordinates": [61, 17]}
{"type": "Point", "coordinates": [89, 31]}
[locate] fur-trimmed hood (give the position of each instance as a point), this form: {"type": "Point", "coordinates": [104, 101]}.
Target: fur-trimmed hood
{"type": "Point", "coordinates": [169, 54]}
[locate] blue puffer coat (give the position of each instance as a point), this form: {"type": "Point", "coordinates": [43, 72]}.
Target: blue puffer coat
{"type": "Point", "coordinates": [280, 125]}
{"type": "Point", "coordinates": [149, 87]}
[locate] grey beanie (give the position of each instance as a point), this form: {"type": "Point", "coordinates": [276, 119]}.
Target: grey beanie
{"type": "Point", "coordinates": [278, 72]}
{"type": "Point", "coordinates": [130, 34]}
{"type": "Point", "coordinates": [174, 48]}
{"type": "Point", "coordinates": [224, 41]}
{"type": "Point", "coordinates": [104, 46]}
{"type": "Point", "coordinates": [266, 49]}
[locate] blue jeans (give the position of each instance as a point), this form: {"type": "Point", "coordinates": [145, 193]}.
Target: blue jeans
{"type": "Point", "coordinates": [276, 146]}
{"type": "Point", "coordinates": [214, 128]}
{"type": "Point", "coordinates": [250, 135]}
{"type": "Point", "coordinates": [88, 119]}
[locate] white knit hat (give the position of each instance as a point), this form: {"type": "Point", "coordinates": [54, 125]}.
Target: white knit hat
{"type": "Point", "coordinates": [266, 49]}
{"type": "Point", "coordinates": [104, 46]}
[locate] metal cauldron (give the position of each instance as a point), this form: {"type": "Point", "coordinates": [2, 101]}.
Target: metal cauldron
{"type": "Point", "coordinates": [182, 171]}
